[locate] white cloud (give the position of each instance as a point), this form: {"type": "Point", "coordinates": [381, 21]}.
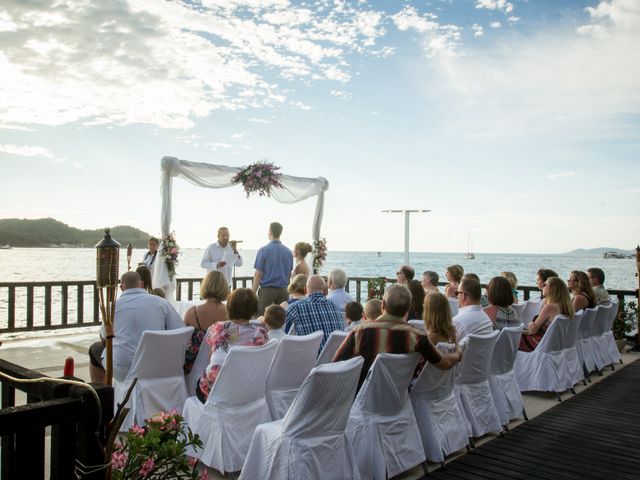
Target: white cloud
{"type": "Point", "coordinates": [502, 5]}
{"type": "Point", "coordinates": [478, 31]}
{"type": "Point", "coordinates": [169, 63]}
{"type": "Point", "coordinates": [495, 25]}
{"type": "Point", "coordinates": [553, 176]}
{"type": "Point", "coordinates": [438, 39]}
{"type": "Point", "coordinates": [26, 151]}
{"type": "Point", "coordinates": [262, 121]}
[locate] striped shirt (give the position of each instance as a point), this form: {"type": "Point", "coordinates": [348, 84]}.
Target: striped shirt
{"type": "Point", "coordinates": [312, 314]}
{"type": "Point", "coordinates": [386, 334]}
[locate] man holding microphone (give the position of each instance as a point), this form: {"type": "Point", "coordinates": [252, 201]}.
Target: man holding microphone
{"type": "Point", "coordinates": [222, 255]}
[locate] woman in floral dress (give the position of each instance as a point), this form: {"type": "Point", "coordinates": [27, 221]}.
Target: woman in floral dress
{"type": "Point", "coordinates": [237, 331]}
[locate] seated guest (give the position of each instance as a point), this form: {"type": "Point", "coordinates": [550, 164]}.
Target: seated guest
{"type": "Point", "coordinates": [354, 313]}
{"type": "Point", "coordinates": [158, 292]}
{"type": "Point", "coordinates": [390, 333]}
{"type": "Point", "coordinates": [295, 289]}
{"type": "Point", "coordinates": [214, 290]}
{"type": "Point", "coordinates": [542, 276]}
{"type": "Point", "coordinates": [484, 301]}
{"type": "Point", "coordinates": [470, 319]}
{"type": "Point", "coordinates": [405, 274]}
{"type": "Point", "coordinates": [145, 276]}
{"type": "Point", "coordinates": [336, 282]}
{"type": "Point", "coordinates": [557, 302]}
{"type": "Point", "coordinates": [241, 307]}
{"type": "Point", "coordinates": [596, 277]}
{"type": "Point", "coordinates": [454, 274]}
{"type": "Point", "coordinates": [582, 291]}
{"type": "Point", "coordinates": [500, 295]}
{"type": "Point", "coordinates": [437, 319]}
{"type": "Point", "coordinates": [430, 281]}
{"type": "Point", "coordinates": [315, 312]}
{"type": "Point", "coordinates": [274, 317]}
{"type": "Point", "coordinates": [136, 311]}
{"type": "Point", "coordinates": [513, 281]}
{"type": "Point", "coordinates": [417, 300]}
{"type": "Point", "coordinates": [300, 252]}
{"type": "Point", "coordinates": [372, 309]}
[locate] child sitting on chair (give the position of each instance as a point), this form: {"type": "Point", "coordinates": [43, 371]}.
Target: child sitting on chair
{"type": "Point", "coordinates": [354, 314]}
{"type": "Point", "coordinates": [274, 318]}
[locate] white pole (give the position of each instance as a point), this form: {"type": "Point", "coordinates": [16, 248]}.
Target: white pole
{"type": "Point", "coordinates": [406, 229]}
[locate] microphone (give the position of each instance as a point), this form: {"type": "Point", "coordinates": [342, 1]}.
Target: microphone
{"type": "Point", "coordinates": [235, 241]}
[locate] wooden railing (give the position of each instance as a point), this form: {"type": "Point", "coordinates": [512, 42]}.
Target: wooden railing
{"type": "Point", "coordinates": [30, 306]}
{"type": "Point", "coordinates": [77, 427]}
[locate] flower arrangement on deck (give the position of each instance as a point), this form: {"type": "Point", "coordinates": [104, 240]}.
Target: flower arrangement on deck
{"type": "Point", "coordinates": [319, 253]}
{"type": "Point", "coordinates": [375, 287]}
{"type": "Point", "coordinates": [170, 252]}
{"type": "Point", "coordinates": [259, 177]}
{"type": "Point", "coordinates": [157, 450]}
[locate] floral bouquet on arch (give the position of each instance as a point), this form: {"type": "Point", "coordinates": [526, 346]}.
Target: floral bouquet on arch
{"type": "Point", "coordinates": [170, 252]}
{"type": "Point", "coordinates": [375, 287]}
{"type": "Point", "coordinates": [319, 253]}
{"type": "Point", "coordinates": [259, 177]}
{"type": "Point", "coordinates": [157, 451]}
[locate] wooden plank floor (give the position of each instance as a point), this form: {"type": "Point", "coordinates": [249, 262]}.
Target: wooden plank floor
{"type": "Point", "coordinates": [595, 434]}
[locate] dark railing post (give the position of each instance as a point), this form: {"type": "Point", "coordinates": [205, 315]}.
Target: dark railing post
{"type": "Point", "coordinates": [80, 313]}
{"type": "Point", "coordinates": [96, 304]}
{"type": "Point", "coordinates": [30, 307]}
{"type": "Point", "coordinates": [12, 307]}
{"type": "Point", "coordinates": [190, 290]}
{"type": "Point", "coordinates": [47, 305]}
{"type": "Point", "coordinates": [64, 304]}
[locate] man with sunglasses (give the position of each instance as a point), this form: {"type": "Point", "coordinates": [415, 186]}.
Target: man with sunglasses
{"type": "Point", "coordinates": [471, 318]}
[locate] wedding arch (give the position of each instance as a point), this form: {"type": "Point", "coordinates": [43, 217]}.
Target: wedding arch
{"type": "Point", "coordinates": [294, 189]}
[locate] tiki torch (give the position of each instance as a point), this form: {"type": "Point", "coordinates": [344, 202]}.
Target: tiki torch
{"type": "Point", "coordinates": [129, 252]}
{"type": "Point", "coordinates": [107, 264]}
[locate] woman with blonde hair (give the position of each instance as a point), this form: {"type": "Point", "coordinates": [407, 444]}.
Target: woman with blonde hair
{"type": "Point", "coordinates": [557, 302]}
{"type": "Point", "coordinates": [214, 290]}
{"type": "Point", "coordinates": [454, 274]}
{"type": "Point", "coordinates": [581, 290]}
{"type": "Point", "coordinates": [513, 281]}
{"type": "Point", "coordinates": [296, 290]}
{"type": "Point", "coordinates": [300, 252]}
{"type": "Point", "coordinates": [436, 314]}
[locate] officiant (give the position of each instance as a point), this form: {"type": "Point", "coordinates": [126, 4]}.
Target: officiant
{"type": "Point", "coordinates": [222, 256]}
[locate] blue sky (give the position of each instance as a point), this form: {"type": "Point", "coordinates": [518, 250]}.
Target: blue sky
{"type": "Point", "coordinates": [516, 121]}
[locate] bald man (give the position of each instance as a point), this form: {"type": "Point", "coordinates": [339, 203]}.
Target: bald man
{"type": "Point", "coordinates": [315, 312]}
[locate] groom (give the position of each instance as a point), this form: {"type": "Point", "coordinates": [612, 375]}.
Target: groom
{"type": "Point", "coordinates": [222, 256]}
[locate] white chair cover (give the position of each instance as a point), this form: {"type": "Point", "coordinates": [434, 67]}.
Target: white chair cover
{"type": "Point", "coordinates": [382, 426]}
{"type": "Point", "coordinates": [518, 307]}
{"type": "Point", "coordinates": [545, 369]}
{"type": "Point", "coordinates": [234, 408]}
{"type": "Point", "coordinates": [576, 372]}
{"type": "Point", "coordinates": [199, 365]}
{"type": "Point", "coordinates": [419, 324]}
{"type": "Point", "coordinates": [472, 389]}
{"type": "Point", "coordinates": [294, 359]}
{"type": "Point", "coordinates": [504, 387]}
{"type": "Point", "coordinates": [584, 345]}
{"type": "Point", "coordinates": [310, 441]}
{"type": "Point", "coordinates": [455, 307]}
{"type": "Point", "coordinates": [608, 341]}
{"type": "Point", "coordinates": [443, 428]}
{"type": "Point", "coordinates": [601, 325]}
{"type": "Point", "coordinates": [157, 365]}
{"type": "Point", "coordinates": [530, 310]}
{"type": "Point", "coordinates": [331, 347]}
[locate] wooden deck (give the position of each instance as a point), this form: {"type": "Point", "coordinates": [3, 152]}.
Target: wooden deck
{"type": "Point", "coordinates": [595, 434]}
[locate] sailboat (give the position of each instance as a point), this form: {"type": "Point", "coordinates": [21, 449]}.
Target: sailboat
{"type": "Point", "coordinates": [469, 255]}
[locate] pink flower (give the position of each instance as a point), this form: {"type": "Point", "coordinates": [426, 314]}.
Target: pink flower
{"type": "Point", "coordinates": [193, 461]}
{"type": "Point", "coordinates": [204, 475]}
{"type": "Point", "coordinates": [138, 430]}
{"type": "Point", "coordinates": [119, 459]}
{"type": "Point", "coordinates": [147, 467]}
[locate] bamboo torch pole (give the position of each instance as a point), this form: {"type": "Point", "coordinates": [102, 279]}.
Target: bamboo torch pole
{"type": "Point", "coordinates": [107, 265]}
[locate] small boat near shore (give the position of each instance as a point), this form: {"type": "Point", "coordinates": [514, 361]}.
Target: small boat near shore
{"type": "Point", "coordinates": [5, 247]}
{"type": "Point", "coordinates": [614, 254]}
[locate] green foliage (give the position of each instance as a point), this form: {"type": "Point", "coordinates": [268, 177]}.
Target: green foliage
{"type": "Point", "coordinates": [375, 287]}
{"type": "Point", "coordinates": [625, 320]}
{"type": "Point", "coordinates": [48, 232]}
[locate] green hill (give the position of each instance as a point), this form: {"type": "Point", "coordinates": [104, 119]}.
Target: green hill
{"type": "Point", "coordinates": [48, 232]}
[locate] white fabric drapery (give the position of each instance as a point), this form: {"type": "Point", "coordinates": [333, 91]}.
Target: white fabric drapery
{"type": "Point", "coordinates": [295, 189]}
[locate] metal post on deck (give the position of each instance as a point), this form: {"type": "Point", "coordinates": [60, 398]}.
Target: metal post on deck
{"type": "Point", "coordinates": [406, 229]}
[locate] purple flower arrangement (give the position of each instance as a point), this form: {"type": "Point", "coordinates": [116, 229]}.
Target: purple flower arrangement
{"type": "Point", "coordinates": [259, 177]}
{"type": "Point", "coordinates": [157, 450]}
{"type": "Point", "coordinates": [170, 252]}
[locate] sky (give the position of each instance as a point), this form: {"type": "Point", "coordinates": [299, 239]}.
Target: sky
{"type": "Point", "coordinates": [515, 122]}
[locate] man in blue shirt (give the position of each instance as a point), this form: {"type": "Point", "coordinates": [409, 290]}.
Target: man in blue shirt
{"type": "Point", "coordinates": [273, 265]}
{"type": "Point", "coordinates": [315, 312]}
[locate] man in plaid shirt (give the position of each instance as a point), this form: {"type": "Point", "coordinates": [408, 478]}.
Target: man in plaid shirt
{"type": "Point", "coordinates": [315, 312]}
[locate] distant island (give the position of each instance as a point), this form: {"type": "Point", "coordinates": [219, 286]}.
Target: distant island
{"type": "Point", "coordinates": [601, 251]}
{"type": "Point", "coordinates": [48, 232]}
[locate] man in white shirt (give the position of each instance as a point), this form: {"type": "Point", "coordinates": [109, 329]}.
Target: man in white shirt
{"type": "Point", "coordinates": [471, 318]}
{"type": "Point", "coordinates": [136, 311]}
{"type": "Point", "coordinates": [222, 256]}
{"type": "Point", "coordinates": [596, 278]}
{"type": "Point", "coordinates": [336, 282]}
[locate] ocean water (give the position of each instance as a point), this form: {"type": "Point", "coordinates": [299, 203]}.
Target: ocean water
{"type": "Point", "coordinates": [64, 264]}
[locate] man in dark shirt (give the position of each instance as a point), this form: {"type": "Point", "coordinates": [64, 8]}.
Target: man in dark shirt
{"type": "Point", "coordinates": [390, 333]}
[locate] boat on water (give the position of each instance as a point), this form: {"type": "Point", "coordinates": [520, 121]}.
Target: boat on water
{"type": "Point", "coordinates": [5, 247]}
{"type": "Point", "coordinates": [469, 255]}
{"type": "Point", "coordinates": [614, 254]}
